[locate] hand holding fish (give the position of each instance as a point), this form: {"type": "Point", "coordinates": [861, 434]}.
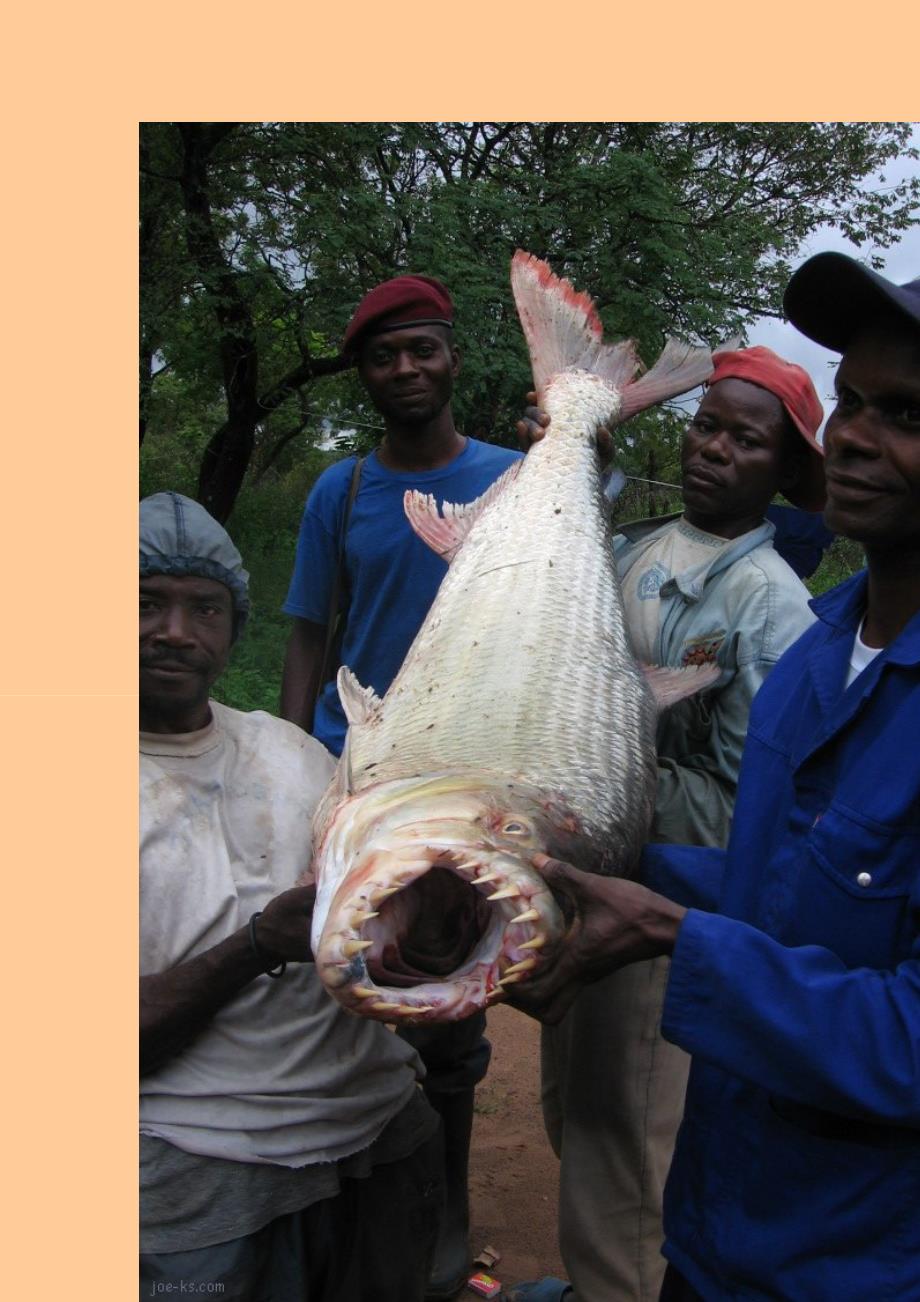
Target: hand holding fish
{"type": "Point", "coordinates": [176, 1005]}
{"type": "Point", "coordinates": [533, 425]}
{"type": "Point", "coordinates": [610, 922]}
{"type": "Point", "coordinates": [284, 925]}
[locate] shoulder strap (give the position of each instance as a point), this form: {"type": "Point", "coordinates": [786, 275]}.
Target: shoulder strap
{"type": "Point", "coordinates": [336, 592]}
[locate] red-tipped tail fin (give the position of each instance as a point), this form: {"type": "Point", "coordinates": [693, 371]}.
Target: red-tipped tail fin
{"type": "Point", "coordinates": [679, 368]}
{"type": "Point", "coordinates": [562, 328]}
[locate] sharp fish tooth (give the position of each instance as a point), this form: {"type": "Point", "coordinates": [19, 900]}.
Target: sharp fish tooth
{"type": "Point", "coordinates": [358, 919]}
{"type": "Point", "coordinates": [383, 894]}
{"type": "Point", "coordinates": [537, 943]}
{"type": "Point", "coordinates": [487, 877]}
{"type": "Point", "coordinates": [510, 980]}
{"type": "Point", "coordinates": [353, 947]}
{"type": "Point", "coordinates": [363, 992]}
{"type": "Point", "coordinates": [529, 915]}
{"type": "Point", "coordinates": [506, 893]}
{"type": "Point", "coordinates": [385, 1007]}
{"type": "Point", "coordinates": [524, 966]}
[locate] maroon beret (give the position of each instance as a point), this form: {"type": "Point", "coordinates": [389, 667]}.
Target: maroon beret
{"type": "Point", "coordinates": [402, 301]}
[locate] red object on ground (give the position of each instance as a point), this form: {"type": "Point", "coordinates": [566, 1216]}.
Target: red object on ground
{"type": "Point", "coordinates": [483, 1284]}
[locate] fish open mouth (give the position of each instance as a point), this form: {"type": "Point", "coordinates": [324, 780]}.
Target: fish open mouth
{"type": "Point", "coordinates": [431, 929]}
{"type": "Point", "coordinates": [436, 938]}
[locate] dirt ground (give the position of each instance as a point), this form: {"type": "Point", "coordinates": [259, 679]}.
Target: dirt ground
{"type": "Point", "coordinates": [514, 1174]}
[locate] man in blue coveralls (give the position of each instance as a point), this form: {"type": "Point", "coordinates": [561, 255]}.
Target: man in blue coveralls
{"type": "Point", "coordinates": [795, 953]}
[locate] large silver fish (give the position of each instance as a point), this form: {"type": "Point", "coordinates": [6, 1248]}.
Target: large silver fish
{"type": "Point", "coordinates": [519, 720]}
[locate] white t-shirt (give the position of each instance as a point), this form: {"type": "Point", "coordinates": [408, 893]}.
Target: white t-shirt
{"type": "Point", "coordinates": [861, 655]}
{"type": "Point", "coordinates": [281, 1074]}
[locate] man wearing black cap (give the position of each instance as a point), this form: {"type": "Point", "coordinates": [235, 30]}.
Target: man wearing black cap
{"type": "Point", "coordinates": [286, 1150]}
{"type": "Point", "coordinates": [795, 954]}
{"type": "Point", "coordinates": [401, 340]}
{"type": "Point", "coordinates": [705, 585]}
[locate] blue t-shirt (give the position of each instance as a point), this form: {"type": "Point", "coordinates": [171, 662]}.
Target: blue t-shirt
{"type": "Point", "coordinates": [391, 576]}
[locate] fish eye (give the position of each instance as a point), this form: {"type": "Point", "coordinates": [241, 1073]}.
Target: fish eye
{"type": "Point", "coordinates": [514, 828]}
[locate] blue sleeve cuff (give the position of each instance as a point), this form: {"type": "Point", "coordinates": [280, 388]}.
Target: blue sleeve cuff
{"type": "Point", "coordinates": [686, 981]}
{"type": "Point", "coordinates": [690, 875]}
{"type": "Point", "coordinates": [786, 1019]}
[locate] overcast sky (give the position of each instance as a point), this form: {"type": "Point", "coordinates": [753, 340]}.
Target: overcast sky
{"type": "Point", "coordinates": [901, 263]}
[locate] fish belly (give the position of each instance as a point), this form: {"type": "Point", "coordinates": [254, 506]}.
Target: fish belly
{"type": "Point", "coordinates": [522, 667]}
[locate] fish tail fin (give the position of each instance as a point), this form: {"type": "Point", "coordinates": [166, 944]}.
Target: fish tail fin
{"type": "Point", "coordinates": [562, 327]}
{"type": "Point", "coordinates": [679, 368]}
{"type": "Point", "coordinates": [564, 332]}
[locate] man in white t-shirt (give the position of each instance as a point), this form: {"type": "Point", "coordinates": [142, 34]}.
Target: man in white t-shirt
{"type": "Point", "coordinates": [286, 1148]}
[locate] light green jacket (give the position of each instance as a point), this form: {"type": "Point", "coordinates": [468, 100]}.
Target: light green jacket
{"type": "Point", "coordinates": [742, 610]}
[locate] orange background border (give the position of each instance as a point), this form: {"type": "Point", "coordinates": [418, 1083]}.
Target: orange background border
{"type": "Point", "coordinates": [81, 80]}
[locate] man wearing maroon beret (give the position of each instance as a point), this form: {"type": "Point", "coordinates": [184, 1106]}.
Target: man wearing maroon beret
{"type": "Point", "coordinates": [401, 340]}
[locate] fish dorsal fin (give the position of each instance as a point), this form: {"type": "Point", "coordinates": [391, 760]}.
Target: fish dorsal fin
{"type": "Point", "coordinates": [446, 534]}
{"type": "Point", "coordinates": [361, 704]}
{"type": "Point", "coordinates": [679, 368]}
{"type": "Point", "coordinates": [562, 327]}
{"type": "Point", "coordinates": [671, 685]}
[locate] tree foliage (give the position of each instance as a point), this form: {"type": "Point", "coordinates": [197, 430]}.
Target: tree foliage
{"type": "Point", "coordinates": [258, 239]}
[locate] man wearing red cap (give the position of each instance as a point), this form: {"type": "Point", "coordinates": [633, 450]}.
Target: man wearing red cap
{"type": "Point", "coordinates": [706, 585]}
{"type": "Point", "coordinates": [401, 340]}
{"type": "Point", "coordinates": [795, 953]}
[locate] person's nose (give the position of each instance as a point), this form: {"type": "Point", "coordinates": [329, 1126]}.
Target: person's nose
{"type": "Point", "coordinates": [174, 627]}
{"type": "Point", "coordinates": [405, 363]}
{"type": "Point", "coordinates": [716, 447]}
{"type": "Point", "coordinates": [851, 434]}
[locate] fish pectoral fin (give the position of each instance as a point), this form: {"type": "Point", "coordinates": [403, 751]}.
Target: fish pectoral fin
{"type": "Point", "coordinates": [671, 685]}
{"type": "Point", "coordinates": [361, 704]}
{"type": "Point", "coordinates": [446, 534]}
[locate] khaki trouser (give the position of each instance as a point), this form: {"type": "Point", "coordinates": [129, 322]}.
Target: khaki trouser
{"type": "Point", "coordinates": [613, 1097]}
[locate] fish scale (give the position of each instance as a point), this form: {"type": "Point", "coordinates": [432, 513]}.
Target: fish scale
{"type": "Point", "coordinates": [533, 598]}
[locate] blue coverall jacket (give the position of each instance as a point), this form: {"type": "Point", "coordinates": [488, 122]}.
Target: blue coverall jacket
{"type": "Point", "coordinates": [797, 1170]}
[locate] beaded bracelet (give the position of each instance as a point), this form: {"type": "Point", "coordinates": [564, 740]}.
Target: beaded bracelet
{"type": "Point", "coordinates": [260, 953]}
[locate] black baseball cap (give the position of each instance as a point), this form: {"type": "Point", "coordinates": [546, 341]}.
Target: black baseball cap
{"type": "Point", "coordinates": [831, 297]}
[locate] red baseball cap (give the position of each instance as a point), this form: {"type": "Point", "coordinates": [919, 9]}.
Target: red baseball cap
{"type": "Point", "coordinates": [402, 301]}
{"type": "Point", "coordinates": [793, 386]}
